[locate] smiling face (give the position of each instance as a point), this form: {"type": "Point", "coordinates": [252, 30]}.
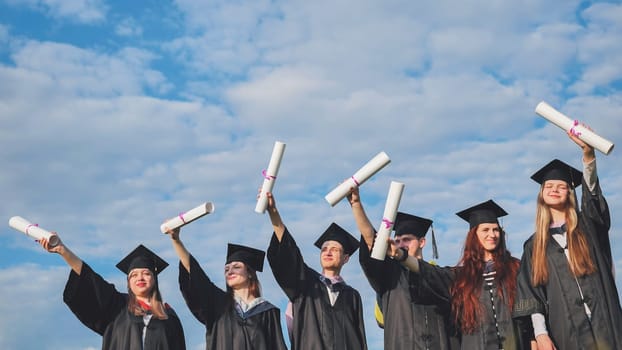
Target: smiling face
{"type": "Point", "coordinates": [237, 275]}
{"type": "Point", "coordinates": [488, 236]}
{"type": "Point", "coordinates": [555, 193]}
{"type": "Point", "coordinates": [332, 256]}
{"type": "Point", "coordinates": [141, 281]}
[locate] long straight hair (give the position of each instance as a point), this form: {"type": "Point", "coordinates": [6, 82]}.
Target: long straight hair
{"type": "Point", "coordinates": [467, 311]}
{"type": "Point", "coordinates": [254, 287]}
{"type": "Point", "coordinates": [155, 300]}
{"type": "Point", "coordinates": [579, 257]}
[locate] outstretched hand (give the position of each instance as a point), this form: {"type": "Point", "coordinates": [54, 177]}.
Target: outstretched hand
{"type": "Point", "coordinates": [46, 245]}
{"type": "Point", "coordinates": [354, 195]}
{"type": "Point", "coordinates": [588, 151]}
{"type": "Point", "coordinates": [271, 200]}
{"type": "Point", "coordinates": [173, 233]}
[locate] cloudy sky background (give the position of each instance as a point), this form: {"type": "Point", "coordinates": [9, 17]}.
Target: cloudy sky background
{"type": "Point", "coordinates": [115, 115]}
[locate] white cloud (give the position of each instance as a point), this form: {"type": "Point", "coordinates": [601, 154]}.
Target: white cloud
{"type": "Point", "coordinates": [129, 27]}
{"type": "Point", "coordinates": [83, 11]}
{"type": "Point", "coordinates": [89, 73]}
{"type": "Point", "coordinates": [95, 152]}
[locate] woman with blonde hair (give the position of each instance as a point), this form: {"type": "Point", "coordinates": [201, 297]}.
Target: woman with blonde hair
{"type": "Point", "coordinates": [566, 282]}
{"type": "Point", "coordinates": [136, 320]}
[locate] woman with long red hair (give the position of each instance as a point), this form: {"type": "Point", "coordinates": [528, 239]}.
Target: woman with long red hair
{"type": "Point", "coordinates": [481, 288]}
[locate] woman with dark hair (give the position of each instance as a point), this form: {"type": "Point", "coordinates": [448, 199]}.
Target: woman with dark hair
{"type": "Point", "coordinates": [138, 320]}
{"type": "Point", "coordinates": [481, 288]}
{"type": "Point", "coordinates": [235, 318]}
{"type": "Point", "coordinates": [566, 283]}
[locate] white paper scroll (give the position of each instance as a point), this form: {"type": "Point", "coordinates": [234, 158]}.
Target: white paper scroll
{"type": "Point", "coordinates": [379, 250]}
{"type": "Point", "coordinates": [32, 230]}
{"type": "Point", "coordinates": [187, 217]}
{"type": "Point", "coordinates": [270, 176]}
{"type": "Point", "coordinates": [356, 180]}
{"type": "Point", "coordinates": [567, 124]}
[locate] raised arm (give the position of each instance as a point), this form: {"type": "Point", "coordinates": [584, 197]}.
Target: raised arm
{"type": "Point", "coordinates": [362, 221]}
{"type": "Point", "coordinates": [410, 262]}
{"type": "Point", "coordinates": [588, 151]}
{"type": "Point", "coordinates": [180, 249]}
{"type": "Point", "coordinates": [275, 217]}
{"type": "Point", "coordinates": [70, 258]}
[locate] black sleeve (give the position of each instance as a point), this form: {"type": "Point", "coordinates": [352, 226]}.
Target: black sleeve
{"type": "Point", "coordinates": [287, 264]}
{"type": "Point", "coordinates": [382, 274]}
{"type": "Point", "coordinates": [595, 213]}
{"type": "Point", "coordinates": [529, 300]}
{"type": "Point", "coordinates": [94, 301]}
{"type": "Point", "coordinates": [205, 300]}
{"type": "Point", "coordinates": [435, 281]}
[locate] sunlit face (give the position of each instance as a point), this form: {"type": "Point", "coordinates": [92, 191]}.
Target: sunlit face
{"type": "Point", "coordinates": [237, 275]}
{"type": "Point", "coordinates": [410, 242]}
{"type": "Point", "coordinates": [332, 255]}
{"type": "Point", "coordinates": [555, 193]}
{"type": "Point", "coordinates": [141, 281]}
{"type": "Point", "coordinates": [488, 236]}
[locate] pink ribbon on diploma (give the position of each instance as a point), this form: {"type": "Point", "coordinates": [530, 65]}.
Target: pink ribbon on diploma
{"type": "Point", "coordinates": [356, 182]}
{"type": "Point", "coordinates": [573, 131]}
{"type": "Point", "coordinates": [266, 176]}
{"type": "Point", "coordinates": [181, 216]}
{"type": "Point", "coordinates": [387, 222]}
{"type": "Point", "coordinates": [27, 227]}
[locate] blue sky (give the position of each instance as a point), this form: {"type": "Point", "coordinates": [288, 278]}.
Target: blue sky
{"type": "Point", "coordinates": [115, 115]}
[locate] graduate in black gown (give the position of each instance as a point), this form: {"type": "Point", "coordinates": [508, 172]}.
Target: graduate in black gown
{"type": "Point", "coordinates": [326, 313]}
{"type": "Point", "coordinates": [481, 289]}
{"type": "Point", "coordinates": [566, 281]}
{"type": "Point", "coordinates": [238, 317]}
{"type": "Point", "coordinates": [411, 319]}
{"type": "Point", "coordinates": [136, 320]}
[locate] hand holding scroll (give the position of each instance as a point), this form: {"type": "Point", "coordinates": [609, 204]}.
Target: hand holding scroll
{"type": "Point", "coordinates": [575, 127]}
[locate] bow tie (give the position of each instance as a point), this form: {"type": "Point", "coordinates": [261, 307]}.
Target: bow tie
{"type": "Point", "coordinates": [333, 286]}
{"type": "Point", "coordinates": [557, 230]}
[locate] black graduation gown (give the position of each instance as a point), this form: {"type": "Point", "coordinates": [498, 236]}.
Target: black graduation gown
{"type": "Point", "coordinates": [440, 279]}
{"type": "Point", "coordinates": [559, 299]}
{"type": "Point", "coordinates": [317, 325]}
{"type": "Point", "coordinates": [258, 329]}
{"type": "Point", "coordinates": [411, 319]}
{"type": "Point", "coordinates": [99, 306]}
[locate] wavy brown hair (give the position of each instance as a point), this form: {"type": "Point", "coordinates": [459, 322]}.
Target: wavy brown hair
{"type": "Point", "coordinates": [579, 257]}
{"type": "Point", "coordinates": [466, 310]}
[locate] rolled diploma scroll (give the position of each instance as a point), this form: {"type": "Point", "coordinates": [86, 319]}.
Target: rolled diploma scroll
{"type": "Point", "coordinates": [270, 176]}
{"type": "Point", "coordinates": [187, 217]}
{"type": "Point", "coordinates": [379, 250]}
{"type": "Point", "coordinates": [562, 121]}
{"type": "Point", "coordinates": [356, 180]}
{"type": "Point", "coordinates": [32, 230]}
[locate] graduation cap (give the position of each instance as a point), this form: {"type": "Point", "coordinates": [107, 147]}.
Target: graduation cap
{"type": "Point", "coordinates": [334, 232]}
{"type": "Point", "coordinates": [414, 225]}
{"type": "Point", "coordinates": [250, 256]}
{"type": "Point", "coordinates": [485, 212]}
{"type": "Point", "coordinates": [558, 170]}
{"type": "Point", "coordinates": [141, 257]}
{"type": "Point", "coordinates": [411, 224]}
